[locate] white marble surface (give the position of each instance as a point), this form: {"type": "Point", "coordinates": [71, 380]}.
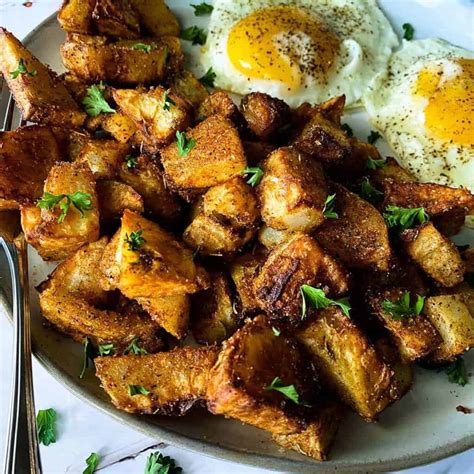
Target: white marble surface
{"type": "Point", "coordinates": [81, 428]}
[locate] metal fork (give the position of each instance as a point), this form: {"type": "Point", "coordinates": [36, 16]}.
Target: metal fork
{"type": "Point", "coordinates": [22, 451]}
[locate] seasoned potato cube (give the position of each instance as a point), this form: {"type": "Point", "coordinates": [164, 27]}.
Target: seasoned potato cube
{"type": "Point", "coordinates": [296, 262]}
{"type": "Point", "coordinates": [270, 238]}
{"type": "Point", "coordinates": [157, 113]}
{"type": "Point", "coordinates": [116, 18]}
{"type": "Point", "coordinates": [119, 126]}
{"type": "Point", "coordinates": [187, 85]}
{"type": "Point", "coordinates": [55, 240]}
{"type": "Point", "coordinates": [26, 156]}
{"type": "Point", "coordinates": [292, 191]}
{"type": "Point", "coordinates": [264, 114]}
{"type": "Point", "coordinates": [347, 363]}
{"type": "Point", "coordinates": [213, 316]}
{"type": "Point", "coordinates": [450, 315]}
{"type": "Point", "coordinates": [216, 157]}
{"type": "Point", "coordinates": [359, 236]}
{"type": "Point", "coordinates": [220, 103]}
{"type": "Point", "coordinates": [75, 16]}
{"type": "Point", "coordinates": [247, 364]}
{"type": "Point", "coordinates": [176, 379]}
{"type": "Point", "coordinates": [156, 18]}
{"type": "Point", "coordinates": [38, 92]}
{"type": "Point", "coordinates": [147, 179]}
{"type": "Point", "coordinates": [434, 253]}
{"type": "Point", "coordinates": [391, 170]}
{"type": "Point", "coordinates": [114, 197]}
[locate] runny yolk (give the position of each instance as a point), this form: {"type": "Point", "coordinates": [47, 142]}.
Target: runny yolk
{"type": "Point", "coordinates": [450, 106]}
{"type": "Point", "coordinates": [284, 44]}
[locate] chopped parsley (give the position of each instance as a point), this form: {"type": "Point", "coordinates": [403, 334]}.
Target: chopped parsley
{"type": "Point", "coordinates": [131, 161]}
{"type": "Point", "coordinates": [81, 201]}
{"type": "Point", "coordinates": [316, 298]}
{"type": "Point", "coordinates": [346, 127]}
{"type": "Point", "coordinates": [254, 174]}
{"type": "Point", "coordinates": [408, 31]}
{"type": "Point", "coordinates": [288, 390]}
{"type": "Point", "coordinates": [134, 348]}
{"type": "Point", "coordinates": [137, 390]}
{"type": "Point", "coordinates": [457, 372]}
{"type": "Point", "coordinates": [46, 426]}
{"type": "Point", "coordinates": [402, 308]}
{"type": "Point", "coordinates": [195, 34]}
{"type": "Point", "coordinates": [106, 349]}
{"type": "Point", "coordinates": [184, 144]}
{"type": "Point", "coordinates": [369, 193]}
{"type": "Point", "coordinates": [373, 137]}
{"type": "Point", "coordinates": [403, 218]}
{"type": "Point", "coordinates": [372, 164]}
{"type": "Point", "coordinates": [134, 240]}
{"type": "Point", "coordinates": [208, 78]}
{"type": "Point", "coordinates": [91, 462]}
{"type": "Point", "coordinates": [156, 463]}
{"type": "Point", "coordinates": [142, 46]}
{"type": "Point", "coordinates": [276, 331]}
{"type": "Point", "coordinates": [94, 102]}
{"type": "Point", "coordinates": [21, 69]}
{"type": "Point", "coordinates": [202, 9]}
{"type": "Point", "coordinates": [328, 209]}
{"type": "Point", "coordinates": [88, 356]}
{"type": "Point", "coordinates": [167, 101]}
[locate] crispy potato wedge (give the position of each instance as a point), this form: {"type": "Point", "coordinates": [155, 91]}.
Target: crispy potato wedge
{"type": "Point", "coordinates": [434, 253]}
{"type": "Point", "coordinates": [347, 363]}
{"type": "Point", "coordinates": [391, 170]}
{"type": "Point", "coordinates": [75, 16]}
{"type": "Point", "coordinates": [115, 18]}
{"type": "Point", "coordinates": [38, 93]}
{"type": "Point", "coordinates": [296, 262]}
{"type": "Point", "coordinates": [247, 364]}
{"type": "Point", "coordinates": [176, 379]}
{"type": "Point", "coordinates": [26, 157]}
{"type": "Point", "coordinates": [156, 18]}
{"type": "Point", "coordinates": [292, 191]}
{"type": "Point", "coordinates": [186, 85]}
{"type": "Point", "coordinates": [359, 236]}
{"type": "Point", "coordinates": [114, 197]}
{"type": "Point", "coordinates": [216, 157]}
{"type": "Point", "coordinates": [55, 240]}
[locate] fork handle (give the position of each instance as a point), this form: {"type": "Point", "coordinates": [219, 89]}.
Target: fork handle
{"type": "Point", "coordinates": [22, 452]}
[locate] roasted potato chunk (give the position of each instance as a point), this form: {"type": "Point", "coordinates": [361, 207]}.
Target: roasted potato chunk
{"type": "Point", "coordinates": [75, 16]}
{"type": "Point", "coordinates": [176, 380]}
{"type": "Point", "coordinates": [359, 236]}
{"type": "Point", "coordinates": [391, 170]}
{"type": "Point", "coordinates": [292, 191]}
{"type": "Point", "coordinates": [55, 240]}
{"type": "Point", "coordinates": [26, 157]}
{"type": "Point", "coordinates": [247, 364]}
{"type": "Point", "coordinates": [119, 126]}
{"type": "Point", "coordinates": [220, 103]}
{"type": "Point", "coordinates": [347, 363]}
{"type": "Point", "coordinates": [116, 18]}
{"type": "Point", "coordinates": [186, 85]}
{"type": "Point", "coordinates": [264, 114]}
{"type": "Point", "coordinates": [114, 197]}
{"type": "Point", "coordinates": [270, 238]}
{"type": "Point", "coordinates": [434, 253]}
{"type": "Point", "coordinates": [156, 18]}
{"type": "Point", "coordinates": [298, 261]}
{"type": "Point", "coordinates": [156, 112]}
{"type": "Point", "coordinates": [38, 92]}
{"type": "Point", "coordinates": [216, 157]}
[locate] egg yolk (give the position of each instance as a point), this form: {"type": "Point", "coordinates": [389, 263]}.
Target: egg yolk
{"type": "Point", "coordinates": [450, 106]}
{"type": "Point", "coordinates": [282, 43]}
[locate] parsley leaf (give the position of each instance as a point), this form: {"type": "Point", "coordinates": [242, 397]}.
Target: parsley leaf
{"type": "Point", "coordinates": [328, 209]}
{"type": "Point", "coordinates": [195, 34]}
{"type": "Point", "coordinates": [106, 349]}
{"type": "Point", "coordinates": [469, 277]}
{"type": "Point", "coordinates": [21, 69]}
{"type": "Point", "coordinates": [402, 308]}
{"type": "Point", "coordinates": [167, 101]}
{"type": "Point", "coordinates": [134, 348]}
{"type": "Point", "coordinates": [408, 31]}
{"type": "Point", "coordinates": [372, 164]}
{"type": "Point", "coordinates": [347, 129]}
{"type": "Point", "coordinates": [184, 144]}
{"type": "Point", "coordinates": [368, 192]}
{"type": "Point", "coordinates": [457, 372]}
{"type": "Point", "coordinates": [88, 356]}
{"type": "Point", "coordinates": [373, 137]}
{"type": "Point", "coordinates": [92, 461]}
{"type": "Point", "coordinates": [276, 331]}
{"type": "Point", "coordinates": [137, 390]}
{"type": "Point", "coordinates": [208, 78]}
{"type": "Point", "coordinates": [288, 390]}
{"type": "Point", "coordinates": [134, 240]}
{"type": "Point", "coordinates": [316, 298]}
{"type": "Point", "coordinates": [156, 463]}
{"type": "Point", "coordinates": [144, 47]}
{"type": "Point", "coordinates": [255, 175]}
{"type": "Point", "coordinates": [81, 201]}
{"type": "Point", "coordinates": [131, 161]}
{"type": "Point", "coordinates": [46, 426]}
{"type": "Point", "coordinates": [94, 102]}
{"type": "Point", "coordinates": [202, 9]}
{"type": "Point", "coordinates": [403, 218]}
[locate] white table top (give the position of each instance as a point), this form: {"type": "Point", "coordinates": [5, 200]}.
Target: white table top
{"type": "Point", "coordinates": [81, 428]}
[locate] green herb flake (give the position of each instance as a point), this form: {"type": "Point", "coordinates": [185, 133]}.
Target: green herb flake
{"type": "Point", "coordinates": [457, 372]}
{"type": "Point", "coordinates": [208, 78]}
{"type": "Point", "coordinates": [402, 218]}
{"type": "Point", "coordinates": [276, 331]}
{"type": "Point", "coordinates": [347, 129]}
{"type": "Point", "coordinates": [87, 357]}
{"type": "Point", "coordinates": [91, 462]}
{"type": "Point", "coordinates": [106, 349]}
{"type": "Point", "coordinates": [156, 463]}
{"type": "Point", "coordinates": [373, 137]}
{"type": "Point", "coordinates": [46, 426]}
{"type": "Point", "coordinates": [21, 69]}
{"type": "Point", "coordinates": [328, 209]}
{"type": "Point", "coordinates": [202, 9]}
{"type": "Point", "coordinates": [134, 240]}
{"type": "Point", "coordinates": [372, 164]}
{"type": "Point", "coordinates": [316, 298]}
{"type": "Point", "coordinates": [402, 308]}
{"type": "Point", "coordinates": [408, 31]}
{"type": "Point", "coordinates": [167, 101]}
{"type": "Point", "coordinates": [137, 390]}
{"type": "Point", "coordinates": [369, 193]}
{"type": "Point", "coordinates": [142, 46]}
{"type": "Point", "coordinates": [184, 144]}
{"type": "Point", "coordinates": [94, 102]}
{"type": "Point", "coordinates": [81, 201]}
{"type": "Point", "coordinates": [134, 348]}
{"type": "Point", "coordinates": [254, 174]}
{"type": "Point", "coordinates": [289, 391]}
{"type": "Point", "coordinates": [131, 161]}
{"type": "Point", "coordinates": [195, 34]}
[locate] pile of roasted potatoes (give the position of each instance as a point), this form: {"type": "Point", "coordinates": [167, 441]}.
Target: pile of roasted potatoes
{"type": "Point", "coordinates": [310, 272]}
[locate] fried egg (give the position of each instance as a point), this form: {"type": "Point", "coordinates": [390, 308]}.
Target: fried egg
{"type": "Point", "coordinates": [424, 106]}
{"type": "Point", "coordinates": [298, 50]}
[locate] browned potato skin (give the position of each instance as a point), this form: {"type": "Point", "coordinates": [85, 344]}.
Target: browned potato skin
{"type": "Point", "coordinates": [359, 236]}
{"type": "Point", "coordinates": [213, 316]}
{"type": "Point", "coordinates": [392, 170]}
{"type": "Point", "coordinates": [292, 191]}
{"type": "Point", "coordinates": [76, 16]}
{"type": "Point", "coordinates": [298, 261]}
{"type": "Point", "coordinates": [186, 85]}
{"type": "Point", "coordinates": [217, 156]}
{"type": "Point", "coordinates": [26, 156]}
{"type": "Point", "coordinates": [42, 97]}
{"type": "Point", "coordinates": [114, 197]}
{"type": "Point", "coordinates": [347, 363]}
{"type": "Point", "coordinates": [176, 379]}
{"type": "Point", "coordinates": [156, 18]}
{"type": "Point", "coordinates": [56, 240]}
{"type": "Point", "coordinates": [247, 363]}
{"type": "Point", "coordinates": [220, 103]}
{"type": "Point", "coordinates": [434, 253]}
{"type": "Point", "coordinates": [116, 18]}
{"type": "Point", "coordinates": [264, 114]}
{"type": "Point", "coordinates": [450, 222]}
{"type": "Point", "coordinates": [119, 126]}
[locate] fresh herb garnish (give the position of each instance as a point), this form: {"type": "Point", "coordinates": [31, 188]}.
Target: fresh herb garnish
{"type": "Point", "coordinates": [134, 348]}
{"type": "Point", "coordinates": [81, 201]}
{"type": "Point", "coordinates": [21, 69]}
{"type": "Point", "coordinates": [46, 426]}
{"type": "Point", "coordinates": [156, 463]}
{"type": "Point", "coordinates": [94, 102]}
{"type": "Point", "coordinates": [288, 390]}
{"type": "Point", "coordinates": [276, 331]}
{"type": "Point", "coordinates": [346, 127]}
{"type": "Point", "coordinates": [373, 137]}
{"type": "Point", "coordinates": [208, 78]}
{"type": "Point", "coordinates": [137, 390]}
{"type": "Point", "coordinates": [254, 174]}
{"type": "Point", "coordinates": [92, 462]}
{"type": "Point", "coordinates": [469, 277]}
{"type": "Point", "coordinates": [106, 349]}
{"type": "Point", "coordinates": [134, 240]}
{"type": "Point", "coordinates": [403, 218]}
{"type": "Point", "coordinates": [144, 47]}
{"type": "Point", "coordinates": [328, 209]}
{"type": "Point", "coordinates": [402, 308]}
{"type": "Point", "coordinates": [316, 298]}
{"type": "Point", "coordinates": [457, 372]}
{"type": "Point", "coordinates": [167, 101]}
{"type": "Point", "coordinates": [202, 9]}
{"type": "Point", "coordinates": [87, 357]}
{"type": "Point", "coordinates": [184, 144]}
{"type": "Point", "coordinates": [408, 31]}
{"type": "Point", "coordinates": [368, 192]}
{"type": "Point", "coordinates": [372, 164]}
{"type": "Point", "coordinates": [195, 34]}
{"type": "Point", "coordinates": [131, 161]}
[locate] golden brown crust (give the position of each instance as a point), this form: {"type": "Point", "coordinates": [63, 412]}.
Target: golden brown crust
{"type": "Point", "coordinates": [114, 197]}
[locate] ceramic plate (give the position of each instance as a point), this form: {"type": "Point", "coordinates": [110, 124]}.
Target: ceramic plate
{"type": "Point", "coordinates": [423, 427]}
